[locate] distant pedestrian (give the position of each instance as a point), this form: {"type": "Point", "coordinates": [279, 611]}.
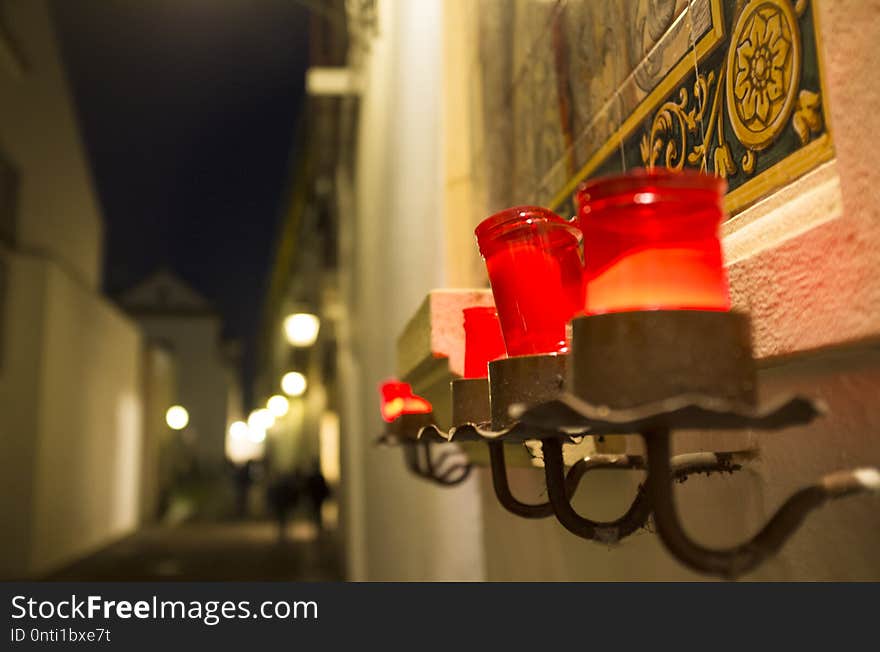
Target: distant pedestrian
{"type": "Point", "coordinates": [283, 496]}
{"type": "Point", "coordinates": [243, 476]}
{"type": "Point", "coordinates": [317, 492]}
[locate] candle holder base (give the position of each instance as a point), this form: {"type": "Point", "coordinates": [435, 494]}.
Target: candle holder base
{"type": "Point", "coordinates": [631, 359]}
{"type": "Point", "coordinates": [523, 380]}
{"type": "Point", "coordinates": [470, 400]}
{"type": "Point", "coordinates": [481, 407]}
{"type": "Point", "coordinates": [568, 413]}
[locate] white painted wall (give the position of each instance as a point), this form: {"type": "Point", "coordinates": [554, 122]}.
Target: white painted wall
{"type": "Point", "coordinates": [22, 310]}
{"type": "Point", "coordinates": [70, 403]}
{"type": "Point", "coordinates": [58, 213]}
{"type": "Point", "coordinates": [88, 454]}
{"type": "Point", "coordinates": [396, 528]}
{"type": "Point", "coordinates": [71, 427]}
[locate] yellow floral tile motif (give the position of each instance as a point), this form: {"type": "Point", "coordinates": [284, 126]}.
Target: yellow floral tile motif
{"type": "Point", "coordinates": [763, 66]}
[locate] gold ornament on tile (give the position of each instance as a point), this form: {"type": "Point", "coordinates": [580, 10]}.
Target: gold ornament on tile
{"type": "Point", "coordinates": [807, 119]}
{"type": "Point", "coordinates": [675, 120]}
{"type": "Point", "coordinates": [763, 71]}
{"type": "Point", "coordinates": [668, 139]}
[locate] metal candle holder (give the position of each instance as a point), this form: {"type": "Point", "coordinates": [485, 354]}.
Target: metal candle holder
{"type": "Point", "coordinates": [540, 380]}
{"type": "Point", "coordinates": [652, 372]}
{"type": "Point", "coordinates": [645, 372]}
{"type": "Point", "coordinates": [482, 412]}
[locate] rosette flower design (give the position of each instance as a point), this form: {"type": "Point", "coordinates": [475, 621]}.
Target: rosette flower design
{"type": "Point", "coordinates": [763, 59]}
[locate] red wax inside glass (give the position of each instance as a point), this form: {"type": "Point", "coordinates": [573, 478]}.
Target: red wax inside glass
{"type": "Point", "coordinates": [483, 341]}
{"type": "Point", "coordinates": [535, 267]}
{"type": "Point", "coordinates": [398, 399]}
{"type": "Point", "coordinates": [651, 242]}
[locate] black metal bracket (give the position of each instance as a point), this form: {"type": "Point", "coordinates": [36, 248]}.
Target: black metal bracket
{"type": "Point", "coordinates": [419, 460]}
{"type": "Point", "coordinates": [418, 454]}
{"type": "Point", "coordinates": [656, 421]}
{"type": "Point", "coordinates": [733, 562]}
{"type": "Point", "coordinates": [502, 487]}
{"type": "Point", "coordinates": [518, 381]}
{"type": "Point", "coordinates": [636, 517]}
{"type": "Point", "coordinates": [628, 373]}
{"type": "Point", "coordinates": [647, 383]}
{"type": "Point", "coordinates": [531, 380]}
{"type": "Point", "coordinates": [537, 379]}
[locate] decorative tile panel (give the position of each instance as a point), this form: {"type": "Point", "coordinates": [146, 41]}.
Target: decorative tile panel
{"type": "Point", "coordinates": [732, 87]}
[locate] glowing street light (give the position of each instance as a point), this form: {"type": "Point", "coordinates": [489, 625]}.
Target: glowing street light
{"type": "Point", "coordinates": [244, 444]}
{"type": "Point", "coordinates": [294, 383]}
{"type": "Point", "coordinates": [302, 328]}
{"type": "Point", "coordinates": [257, 435]}
{"type": "Point", "coordinates": [177, 417]}
{"type": "Point", "coordinates": [260, 419]}
{"type": "Point", "coordinates": [277, 405]}
{"type": "Point", "coordinates": [238, 430]}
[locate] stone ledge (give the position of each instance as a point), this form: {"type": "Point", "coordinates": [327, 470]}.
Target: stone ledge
{"type": "Point", "coordinates": [436, 333]}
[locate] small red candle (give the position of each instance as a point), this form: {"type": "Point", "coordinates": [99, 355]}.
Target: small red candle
{"type": "Point", "coordinates": [398, 399]}
{"type": "Point", "coordinates": [651, 242]}
{"type": "Point", "coordinates": [534, 262]}
{"type": "Point", "coordinates": [483, 341]}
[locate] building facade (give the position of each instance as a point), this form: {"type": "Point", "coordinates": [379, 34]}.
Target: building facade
{"type": "Point", "coordinates": [173, 315]}
{"type": "Point", "coordinates": [70, 361]}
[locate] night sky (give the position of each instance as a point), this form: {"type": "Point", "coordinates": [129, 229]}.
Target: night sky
{"type": "Point", "coordinates": [188, 109]}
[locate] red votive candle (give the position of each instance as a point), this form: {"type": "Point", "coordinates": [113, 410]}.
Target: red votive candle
{"type": "Point", "coordinates": [651, 242]}
{"type": "Point", "coordinates": [398, 399]}
{"type": "Point", "coordinates": [534, 262]}
{"type": "Point", "coordinates": [483, 341]}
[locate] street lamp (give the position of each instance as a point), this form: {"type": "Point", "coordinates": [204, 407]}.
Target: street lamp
{"type": "Point", "coordinates": [244, 444]}
{"type": "Point", "coordinates": [238, 430]}
{"type": "Point", "coordinates": [301, 329]}
{"type": "Point", "coordinates": [277, 405]}
{"type": "Point", "coordinates": [177, 417]}
{"type": "Point", "coordinates": [260, 419]}
{"type": "Point", "coordinates": [294, 383]}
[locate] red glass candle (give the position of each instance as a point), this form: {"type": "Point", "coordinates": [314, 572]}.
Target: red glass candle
{"type": "Point", "coordinates": [483, 341]}
{"type": "Point", "coordinates": [398, 399]}
{"type": "Point", "coordinates": [535, 267]}
{"type": "Point", "coordinates": [651, 242]}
